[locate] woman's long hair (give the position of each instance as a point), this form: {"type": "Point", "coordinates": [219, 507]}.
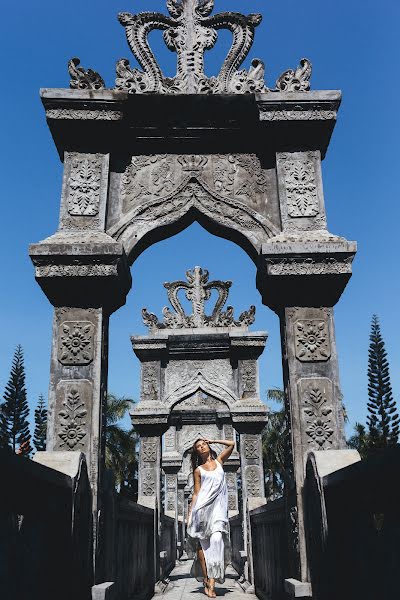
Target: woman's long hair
{"type": "Point", "coordinates": [195, 457]}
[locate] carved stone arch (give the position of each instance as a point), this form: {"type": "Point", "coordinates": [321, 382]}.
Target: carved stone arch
{"type": "Point", "coordinates": [160, 218]}
{"type": "Point", "coordinates": [200, 382]}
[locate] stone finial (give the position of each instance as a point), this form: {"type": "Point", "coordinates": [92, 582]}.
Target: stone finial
{"type": "Point", "coordinates": [296, 81]}
{"type": "Point", "coordinates": [189, 31]}
{"type": "Point", "coordinates": [198, 290]}
{"type": "Point", "coordinates": [82, 79]}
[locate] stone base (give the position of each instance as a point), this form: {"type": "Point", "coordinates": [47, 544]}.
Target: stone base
{"type": "Point", "coordinates": [104, 591]}
{"type": "Point", "coordinates": [298, 589]}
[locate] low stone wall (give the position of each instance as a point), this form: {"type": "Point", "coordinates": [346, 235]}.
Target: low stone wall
{"type": "Point", "coordinates": [353, 528]}
{"type": "Point", "coordinates": [167, 545]}
{"type": "Point", "coordinates": [134, 554]}
{"type": "Point", "coordinates": [45, 528]}
{"type": "Point", "coordinates": [237, 543]}
{"type": "Point", "coordinates": [269, 541]}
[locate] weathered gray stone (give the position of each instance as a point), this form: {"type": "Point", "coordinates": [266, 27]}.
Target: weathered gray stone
{"type": "Point", "coordinates": [104, 591]}
{"type": "Point", "coordinates": [298, 589]}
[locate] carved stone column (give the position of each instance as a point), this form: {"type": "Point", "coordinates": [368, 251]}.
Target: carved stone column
{"type": "Point", "coordinates": [85, 275]}
{"type": "Point", "coordinates": [149, 469]}
{"type": "Point", "coordinates": [301, 276]}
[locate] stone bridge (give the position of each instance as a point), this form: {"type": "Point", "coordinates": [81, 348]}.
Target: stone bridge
{"type": "Point", "coordinates": [142, 161]}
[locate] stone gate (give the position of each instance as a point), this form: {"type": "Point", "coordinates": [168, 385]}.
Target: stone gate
{"type": "Point", "coordinates": [145, 159]}
{"type": "Point", "coordinates": [199, 378]}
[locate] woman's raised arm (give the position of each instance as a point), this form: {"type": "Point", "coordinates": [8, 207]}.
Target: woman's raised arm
{"type": "Point", "coordinates": [225, 454]}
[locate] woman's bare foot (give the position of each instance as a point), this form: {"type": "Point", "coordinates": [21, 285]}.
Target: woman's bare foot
{"type": "Point", "coordinates": [205, 583]}
{"type": "Point", "coordinates": [211, 591]}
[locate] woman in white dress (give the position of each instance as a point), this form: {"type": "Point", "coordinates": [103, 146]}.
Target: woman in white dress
{"type": "Point", "coordinates": [208, 524]}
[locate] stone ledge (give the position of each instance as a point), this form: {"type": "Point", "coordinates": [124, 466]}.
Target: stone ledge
{"type": "Point", "coordinates": [104, 591]}
{"type": "Point", "coordinates": [297, 589]}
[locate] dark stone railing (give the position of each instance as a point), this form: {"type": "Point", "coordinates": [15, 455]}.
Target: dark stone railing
{"type": "Point", "coordinates": [269, 544]}
{"type": "Point", "coordinates": [45, 530]}
{"type": "Point", "coordinates": [353, 520]}
{"type": "Point", "coordinates": [129, 548]}
{"type": "Point", "coordinates": [167, 546]}
{"type": "Point", "coordinates": [237, 543]}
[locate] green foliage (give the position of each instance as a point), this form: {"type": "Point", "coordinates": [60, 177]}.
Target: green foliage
{"type": "Point", "coordinates": [275, 444]}
{"type": "Point", "coordinates": [383, 419]}
{"type": "Point", "coordinates": [121, 454]}
{"type": "Point", "coordinates": [359, 440]}
{"type": "Point", "coordinates": [39, 434]}
{"type": "Point", "coordinates": [14, 425]}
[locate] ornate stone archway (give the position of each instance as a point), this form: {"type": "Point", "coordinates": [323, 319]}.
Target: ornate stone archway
{"type": "Point", "coordinates": [144, 159]}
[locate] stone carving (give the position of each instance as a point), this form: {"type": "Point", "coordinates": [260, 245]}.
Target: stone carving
{"type": "Point", "coordinates": [72, 428]}
{"type": "Point", "coordinates": [84, 115]}
{"type": "Point", "coordinates": [82, 79]}
{"type": "Point", "coordinates": [296, 81]}
{"type": "Point", "coordinates": [75, 343]}
{"type": "Point", "coordinates": [150, 382]}
{"type": "Point", "coordinates": [189, 31]}
{"type": "Point", "coordinates": [170, 503]}
{"type": "Point", "coordinates": [156, 176]}
{"type": "Point", "coordinates": [316, 401]}
{"type": "Point", "coordinates": [249, 376]}
{"type": "Point", "coordinates": [232, 502]}
{"type": "Point", "coordinates": [80, 223]}
{"type": "Point", "coordinates": [170, 440]}
{"type": "Point", "coordinates": [201, 401]}
{"type": "Point", "coordinates": [148, 483]}
{"type": "Point", "coordinates": [84, 186]}
{"type": "Point", "coordinates": [170, 481]}
{"type": "Point", "coordinates": [253, 483]}
{"type": "Point", "coordinates": [228, 431]}
{"type": "Point", "coordinates": [309, 266]}
{"type": "Point", "coordinates": [198, 290]}
{"type": "Point", "coordinates": [312, 340]}
{"type": "Point", "coordinates": [251, 446]}
{"type": "Point", "coordinates": [227, 212]}
{"type": "Point", "coordinates": [266, 114]}
{"type": "Point", "coordinates": [92, 270]}
{"type": "Point", "coordinates": [149, 451]}
{"type": "Point", "coordinates": [301, 188]}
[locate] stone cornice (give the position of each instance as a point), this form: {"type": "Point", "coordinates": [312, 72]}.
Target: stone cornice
{"type": "Point", "coordinates": [237, 120]}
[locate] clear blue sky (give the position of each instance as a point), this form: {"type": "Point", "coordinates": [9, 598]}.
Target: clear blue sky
{"type": "Point", "coordinates": [353, 47]}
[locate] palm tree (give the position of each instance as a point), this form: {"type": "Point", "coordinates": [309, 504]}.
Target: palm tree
{"type": "Point", "coordinates": [121, 455]}
{"type": "Point", "coordinates": [275, 443]}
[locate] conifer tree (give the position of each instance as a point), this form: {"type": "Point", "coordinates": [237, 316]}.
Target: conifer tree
{"type": "Point", "coordinates": [15, 409]}
{"type": "Point", "coordinates": [383, 420]}
{"type": "Point", "coordinates": [39, 434]}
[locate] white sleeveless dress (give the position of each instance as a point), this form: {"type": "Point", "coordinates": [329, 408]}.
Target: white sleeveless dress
{"type": "Point", "coordinates": [209, 525]}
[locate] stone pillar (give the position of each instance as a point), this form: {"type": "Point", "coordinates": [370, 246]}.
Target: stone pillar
{"type": "Point", "coordinates": [85, 275]}
{"type": "Point", "coordinates": [149, 469]}
{"type": "Point", "coordinates": [302, 274]}
{"type": "Point", "coordinates": [311, 382]}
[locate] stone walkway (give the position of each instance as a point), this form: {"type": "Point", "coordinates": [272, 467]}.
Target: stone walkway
{"type": "Point", "coordinates": [184, 587]}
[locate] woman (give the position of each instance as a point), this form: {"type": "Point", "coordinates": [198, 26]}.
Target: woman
{"type": "Point", "coordinates": [208, 525]}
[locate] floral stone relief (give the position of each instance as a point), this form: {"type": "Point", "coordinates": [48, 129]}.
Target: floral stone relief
{"type": "Point", "coordinates": [83, 197]}
{"type": "Point", "coordinates": [76, 343]}
{"type": "Point", "coordinates": [312, 340]}
{"type": "Point", "coordinates": [72, 421]}
{"type": "Point", "coordinates": [316, 399]}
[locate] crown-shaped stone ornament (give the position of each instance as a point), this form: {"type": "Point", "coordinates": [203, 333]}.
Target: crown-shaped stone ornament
{"type": "Point", "coordinates": [189, 30]}
{"type": "Point", "coordinates": [198, 291]}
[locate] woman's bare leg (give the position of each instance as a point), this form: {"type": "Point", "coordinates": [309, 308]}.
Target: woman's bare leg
{"type": "Point", "coordinates": [211, 588]}
{"type": "Point", "coordinates": [202, 561]}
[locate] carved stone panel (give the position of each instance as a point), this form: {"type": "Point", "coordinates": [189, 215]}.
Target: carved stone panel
{"type": "Point", "coordinates": [73, 415]}
{"type": "Point", "coordinates": [238, 176]}
{"type": "Point", "coordinates": [318, 422]}
{"type": "Point", "coordinates": [148, 451]}
{"type": "Point", "coordinates": [84, 191]}
{"type": "Point", "coordinates": [150, 382]}
{"type": "Point", "coordinates": [248, 378]}
{"type": "Point", "coordinates": [312, 340]}
{"type": "Point", "coordinates": [76, 343]}
{"type": "Point", "coordinates": [148, 483]}
{"type": "Point", "coordinates": [84, 186]}
{"type": "Point", "coordinates": [253, 481]}
{"type": "Point", "coordinates": [170, 440]}
{"type": "Point", "coordinates": [252, 446]}
{"type": "Point", "coordinates": [300, 191]}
